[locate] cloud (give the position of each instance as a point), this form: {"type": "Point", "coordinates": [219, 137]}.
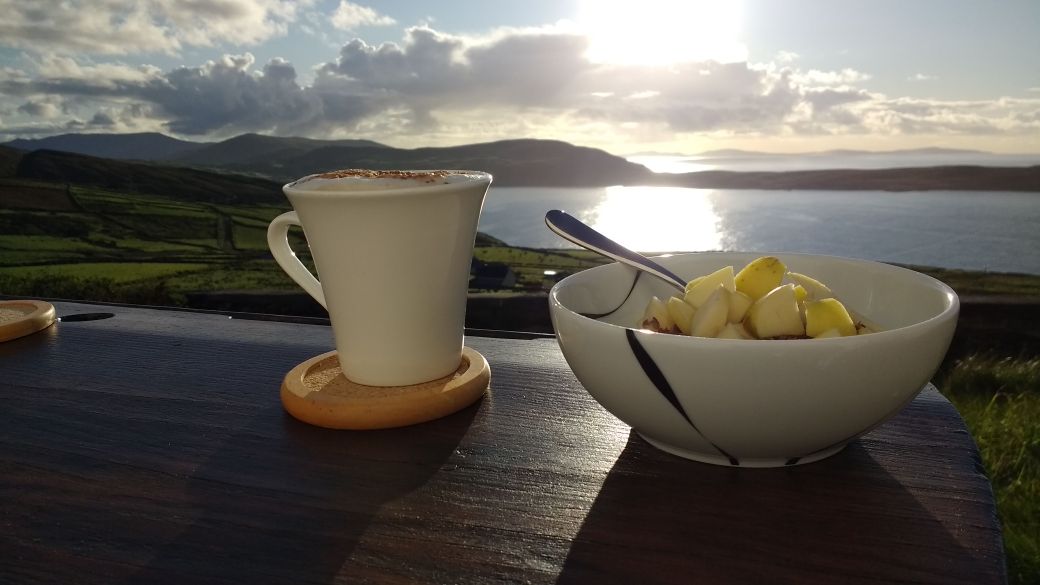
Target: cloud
{"type": "Point", "coordinates": [921, 77]}
{"type": "Point", "coordinates": [350, 16]}
{"type": "Point", "coordinates": [112, 73]}
{"type": "Point", "coordinates": [438, 88]}
{"type": "Point", "coordinates": [121, 27]}
{"type": "Point", "coordinates": [844, 77]}
{"type": "Point", "coordinates": [102, 120]}
{"type": "Point", "coordinates": [46, 110]}
{"type": "Point", "coordinates": [827, 98]}
{"type": "Point", "coordinates": [979, 117]}
{"type": "Point", "coordinates": [224, 95]}
{"type": "Point", "coordinates": [548, 70]}
{"type": "Point", "coordinates": [227, 96]}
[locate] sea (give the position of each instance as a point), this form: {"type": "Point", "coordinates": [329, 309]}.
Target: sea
{"type": "Point", "coordinates": [973, 230]}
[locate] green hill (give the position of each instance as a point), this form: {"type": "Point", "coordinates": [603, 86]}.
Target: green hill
{"type": "Point", "coordinates": [135, 177]}
{"type": "Point", "coordinates": [138, 146]}
{"type": "Point", "coordinates": [262, 152]}
{"type": "Point", "coordinates": [512, 162]}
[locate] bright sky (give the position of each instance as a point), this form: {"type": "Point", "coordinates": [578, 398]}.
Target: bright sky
{"type": "Point", "coordinates": [673, 76]}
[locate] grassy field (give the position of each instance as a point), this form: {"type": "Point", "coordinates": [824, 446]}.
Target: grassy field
{"type": "Point", "coordinates": [999, 399]}
{"type": "Point", "coordinates": [112, 243]}
{"type": "Point", "coordinates": [250, 234]}
{"type": "Point", "coordinates": [530, 265]}
{"type": "Point", "coordinates": [117, 272]}
{"type": "Point", "coordinates": [968, 283]}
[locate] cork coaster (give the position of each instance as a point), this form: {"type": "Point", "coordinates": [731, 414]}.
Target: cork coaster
{"type": "Point", "coordinates": [20, 318]}
{"type": "Point", "coordinates": [318, 393]}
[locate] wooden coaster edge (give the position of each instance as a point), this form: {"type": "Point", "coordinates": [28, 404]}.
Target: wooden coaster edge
{"type": "Point", "coordinates": [41, 318]}
{"type": "Point", "coordinates": [380, 413]}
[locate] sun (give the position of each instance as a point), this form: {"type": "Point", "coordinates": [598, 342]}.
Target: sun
{"type": "Point", "coordinates": [662, 32]}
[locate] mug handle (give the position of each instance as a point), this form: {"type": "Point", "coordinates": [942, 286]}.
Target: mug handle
{"type": "Point", "coordinates": [278, 242]}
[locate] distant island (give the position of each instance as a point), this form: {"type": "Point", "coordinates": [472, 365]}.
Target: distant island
{"type": "Point", "coordinates": [265, 162]}
{"type": "Point", "coordinates": [736, 152]}
{"type": "Point", "coordinates": [941, 178]}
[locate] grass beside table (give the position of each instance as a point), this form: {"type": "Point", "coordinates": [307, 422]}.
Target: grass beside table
{"type": "Point", "coordinates": [999, 399]}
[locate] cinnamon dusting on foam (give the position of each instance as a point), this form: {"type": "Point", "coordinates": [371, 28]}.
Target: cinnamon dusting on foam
{"type": "Point", "coordinates": [427, 177]}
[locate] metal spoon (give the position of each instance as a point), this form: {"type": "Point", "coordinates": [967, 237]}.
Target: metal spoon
{"type": "Point", "coordinates": [573, 229]}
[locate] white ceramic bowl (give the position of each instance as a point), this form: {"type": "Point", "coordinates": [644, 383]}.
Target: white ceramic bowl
{"type": "Point", "coordinates": [754, 403]}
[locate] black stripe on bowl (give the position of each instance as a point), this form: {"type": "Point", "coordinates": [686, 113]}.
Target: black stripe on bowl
{"type": "Point", "coordinates": [639, 273]}
{"type": "Point", "coordinates": [661, 383]}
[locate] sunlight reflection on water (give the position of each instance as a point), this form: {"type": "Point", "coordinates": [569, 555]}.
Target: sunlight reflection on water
{"type": "Point", "coordinates": [658, 219]}
{"type": "Point", "coordinates": [986, 230]}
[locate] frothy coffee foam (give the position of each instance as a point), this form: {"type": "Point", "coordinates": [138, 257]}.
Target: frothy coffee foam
{"type": "Point", "coordinates": [372, 180]}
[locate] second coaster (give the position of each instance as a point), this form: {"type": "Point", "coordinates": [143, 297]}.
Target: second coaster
{"type": "Point", "coordinates": [21, 318]}
{"type": "Point", "coordinates": [317, 392]}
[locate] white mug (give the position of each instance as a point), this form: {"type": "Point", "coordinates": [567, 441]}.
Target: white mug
{"type": "Point", "coordinates": [393, 251]}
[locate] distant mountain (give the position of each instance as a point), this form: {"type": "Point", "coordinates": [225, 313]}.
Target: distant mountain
{"type": "Point", "coordinates": [141, 146]}
{"type": "Point", "coordinates": [258, 150]}
{"type": "Point", "coordinates": [737, 152]}
{"type": "Point", "coordinates": [152, 146]}
{"type": "Point", "coordinates": [139, 177]}
{"type": "Point", "coordinates": [522, 162]}
{"type": "Point", "coordinates": [757, 161]}
{"type": "Point", "coordinates": [512, 162]}
{"type": "Point", "coordinates": [932, 150]}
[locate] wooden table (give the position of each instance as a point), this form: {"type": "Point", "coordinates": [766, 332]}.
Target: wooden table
{"type": "Point", "coordinates": [151, 447]}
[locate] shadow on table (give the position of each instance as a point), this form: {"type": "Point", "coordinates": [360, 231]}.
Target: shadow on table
{"type": "Point", "coordinates": [280, 501]}
{"type": "Point", "coordinates": [844, 519]}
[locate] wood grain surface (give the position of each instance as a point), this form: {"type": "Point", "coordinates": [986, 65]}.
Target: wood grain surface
{"type": "Point", "coordinates": [151, 447]}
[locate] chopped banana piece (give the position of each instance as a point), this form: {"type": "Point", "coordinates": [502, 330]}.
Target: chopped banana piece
{"type": "Point", "coordinates": [693, 283]}
{"type": "Point", "coordinates": [682, 314]}
{"type": "Point", "coordinates": [698, 292]}
{"type": "Point", "coordinates": [826, 314]}
{"type": "Point", "coordinates": [734, 331]}
{"type": "Point", "coordinates": [656, 316]}
{"type": "Point", "coordinates": [776, 315]}
{"type": "Point", "coordinates": [760, 276]}
{"type": "Point", "coordinates": [739, 303]}
{"type": "Point", "coordinates": [816, 289]}
{"type": "Point", "coordinates": [711, 317]}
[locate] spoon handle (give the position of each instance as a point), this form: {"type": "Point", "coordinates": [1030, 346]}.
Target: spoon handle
{"type": "Point", "coordinates": [572, 228]}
